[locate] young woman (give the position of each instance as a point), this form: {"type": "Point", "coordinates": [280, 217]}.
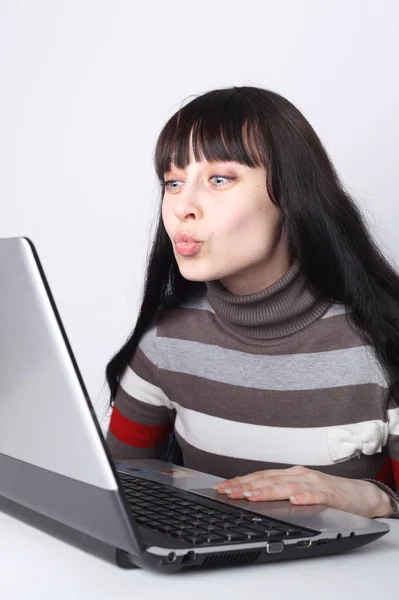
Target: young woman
{"type": "Point", "coordinates": [268, 335]}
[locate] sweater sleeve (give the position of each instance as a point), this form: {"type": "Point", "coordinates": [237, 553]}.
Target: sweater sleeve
{"type": "Point", "coordinates": [142, 416]}
{"type": "Point", "coordinates": [390, 485]}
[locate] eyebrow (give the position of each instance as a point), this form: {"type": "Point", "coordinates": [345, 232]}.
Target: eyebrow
{"type": "Point", "coordinates": [211, 163]}
{"type": "Point", "coordinates": [173, 169]}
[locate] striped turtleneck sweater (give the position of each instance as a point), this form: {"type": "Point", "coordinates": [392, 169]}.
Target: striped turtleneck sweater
{"type": "Point", "coordinates": [268, 380]}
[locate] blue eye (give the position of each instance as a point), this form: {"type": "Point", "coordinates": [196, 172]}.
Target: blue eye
{"type": "Point", "coordinates": [225, 178]}
{"type": "Point", "coordinates": [217, 180]}
{"type": "Point", "coordinates": [171, 185]}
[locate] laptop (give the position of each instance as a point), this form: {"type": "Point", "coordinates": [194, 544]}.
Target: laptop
{"type": "Point", "coordinates": [56, 472]}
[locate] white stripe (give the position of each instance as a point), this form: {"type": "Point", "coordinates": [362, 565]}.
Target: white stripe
{"type": "Point", "coordinates": [334, 310]}
{"type": "Point", "coordinates": [140, 389]}
{"type": "Point", "coordinates": [393, 418]}
{"type": "Point", "coordinates": [302, 446]}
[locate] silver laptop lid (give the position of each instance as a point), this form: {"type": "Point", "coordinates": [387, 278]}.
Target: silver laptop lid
{"type": "Point", "coordinates": [45, 414]}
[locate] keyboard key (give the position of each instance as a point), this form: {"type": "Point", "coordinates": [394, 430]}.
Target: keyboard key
{"type": "Point", "coordinates": [144, 520]}
{"type": "Point", "coordinates": [159, 507]}
{"type": "Point", "coordinates": [234, 522]}
{"type": "Point", "coordinates": [177, 534]}
{"type": "Point", "coordinates": [153, 524]}
{"type": "Point", "coordinates": [295, 533]}
{"type": "Point", "coordinates": [274, 533]}
{"type": "Point", "coordinates": [213, 538]}
{"type": "Point", "coordinates": [167, 514]}
{"type": "Point", "coordinates": [195, 531]}
{"type": "Point", "coordinates": [233, 536]}
{"type": "Point", "coordinates": [209, 520]}
{"type": "Point", "coordinates": [195, 541]}
{"type": "Point", "coordinates": [250, 534]}
{"type": "Point", "coordinates": [210, 528]}
{"type": "Point", "coordinates": [165, 528]}
{"type": "Point", "coordinates": [171, 522]}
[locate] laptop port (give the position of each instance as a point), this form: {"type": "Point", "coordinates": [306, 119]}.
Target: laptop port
{"type": "Point", "coordinates": [189, 558]}
{"type": "Point", "coordinates": [304, 544]}
{"type": "Point", "coordinates": [274, 547]}
{"type": "Point", "coordinates": [322, 542]}
{"type": "Point", "coordinates": [171, 557]}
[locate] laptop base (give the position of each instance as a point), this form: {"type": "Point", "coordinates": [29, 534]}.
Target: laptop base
{"type": "Point", "coordinates": [211, 559]}
{"type": "Point", "coordinates": [171, 563]}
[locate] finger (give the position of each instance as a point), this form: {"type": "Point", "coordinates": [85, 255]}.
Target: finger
{"type": "Point", "coordinates": [313, 497]}
{"type": "Point", "coordinates": [256, 484]}
{"type": "Point", "coordinates": [238, 481]}
{"type": "Point", "coordinates": [283, 491]}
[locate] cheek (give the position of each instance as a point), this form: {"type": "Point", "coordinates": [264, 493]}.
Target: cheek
{"type": "Point", "coordinates": [230, 222]}
{"type": "Point", "coordinates": [166, 213]}
{"type": "Point", "coordinates": [258, 221]}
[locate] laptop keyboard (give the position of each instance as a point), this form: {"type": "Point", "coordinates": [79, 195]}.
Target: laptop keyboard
{"type": "Point", "coordinates": [167, 510]}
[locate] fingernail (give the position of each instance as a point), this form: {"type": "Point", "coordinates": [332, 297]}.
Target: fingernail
{"type": "Point", "coordinates": [293, 498]}
{"type": "Point", "coordinates": [247, 494]}
{"type": "Point", "coordinates": [215, 487]}
{"type": "Point", "coordinates": [228, 490]}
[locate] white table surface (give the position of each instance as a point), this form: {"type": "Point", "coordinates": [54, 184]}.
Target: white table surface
{"type": "Point", "coordinates": [35, 565]}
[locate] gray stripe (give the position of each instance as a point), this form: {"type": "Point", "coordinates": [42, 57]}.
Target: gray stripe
{"type": "Point", "coordinates": [337, 368]}
{"type": "Point", "coordinates": [222, 466]}
{"type": "Point", "coordinates": [294, 409]}
{"type": "Point", "coordinates": [393, 445]}
{"type": "Point", "coordinates": [143, 367]}
{"type": "Point", "coordinates": [142, 412]}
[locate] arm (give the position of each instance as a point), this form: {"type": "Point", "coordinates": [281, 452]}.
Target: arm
{"type": "Point", "coordinates": [142, 417]}
{"type": "Point", "coordinates": [389, 481]}
{"type": "Point", "coordinates": [365, 497]}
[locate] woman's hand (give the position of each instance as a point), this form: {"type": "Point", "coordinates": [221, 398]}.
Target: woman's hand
{"type": "Point", "coordinates": [305, 486]}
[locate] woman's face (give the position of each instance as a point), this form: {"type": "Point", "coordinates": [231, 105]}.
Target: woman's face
{"type": "Point", "coordinates": [226, 209]}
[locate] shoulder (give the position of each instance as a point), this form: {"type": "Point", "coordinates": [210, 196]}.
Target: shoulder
{"type": "Point", "coordinates": [176, 323]}
{"type": "Point", "coordinates": [183, 320]}
{"type": "Point", "coordinates": [339, 332]}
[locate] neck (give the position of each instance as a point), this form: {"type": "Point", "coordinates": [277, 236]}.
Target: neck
{"type": "Point", "coordinates": [256, 279]}
{"type": "Point", "coordinates": [281, 309]}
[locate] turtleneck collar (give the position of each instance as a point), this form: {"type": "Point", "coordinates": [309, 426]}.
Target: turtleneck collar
{"type": "Point", "coordinates": [281, 309]}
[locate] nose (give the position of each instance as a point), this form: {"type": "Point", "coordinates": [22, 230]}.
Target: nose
{"type": "Point", "coordinates": [187, 206]}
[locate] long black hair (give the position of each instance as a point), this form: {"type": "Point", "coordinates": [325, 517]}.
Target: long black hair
{"type": "Point", "coordinates": [325, 229]}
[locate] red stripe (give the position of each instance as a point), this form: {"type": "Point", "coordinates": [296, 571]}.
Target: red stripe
{"type": "Point", "coordinates": [136, 434]}
{"type": "Point", "coordinates": [385, 474]}
{"type": "Point", "coordinates": [395, 469]}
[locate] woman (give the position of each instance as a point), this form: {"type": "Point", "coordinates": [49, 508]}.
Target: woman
{"type": "Point", "coordinates": [268, 335]}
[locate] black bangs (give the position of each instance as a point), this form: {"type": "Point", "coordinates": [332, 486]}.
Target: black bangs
{"type": "Point", "coordinates": [221, 125]}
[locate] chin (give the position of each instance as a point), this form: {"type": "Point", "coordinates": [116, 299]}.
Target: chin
{"type": "Point", "coordinates": [195, 273]}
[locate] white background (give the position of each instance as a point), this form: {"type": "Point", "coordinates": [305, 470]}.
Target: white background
{"type": "Point", "coordinates": [85, 87]}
